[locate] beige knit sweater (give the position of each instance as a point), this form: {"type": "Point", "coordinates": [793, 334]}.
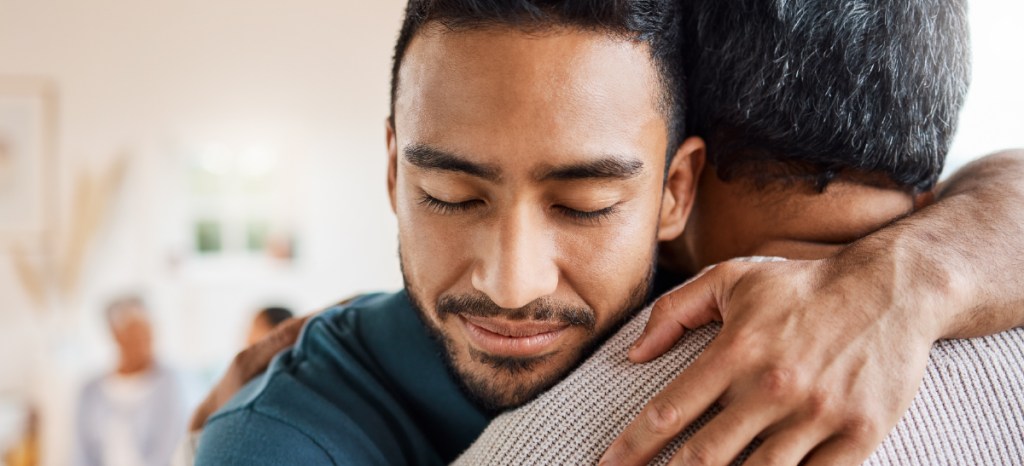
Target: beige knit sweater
{"type": "Point", "coordinates": [970, 409]}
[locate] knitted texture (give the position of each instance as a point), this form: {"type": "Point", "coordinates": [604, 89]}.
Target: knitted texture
{"type": "Point", "coordinates": [969, 409]}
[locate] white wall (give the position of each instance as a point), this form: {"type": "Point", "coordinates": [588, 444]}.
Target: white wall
{"type": "Point", "coordinates": [307, 80]}
{"type": "Point", "coordinates": [154, 79]}
{"type": "Point", "coordinates": [993, 115]}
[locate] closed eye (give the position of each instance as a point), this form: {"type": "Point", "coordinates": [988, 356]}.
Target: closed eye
{"type": "Point", "coordinates": [587, 216]}
{"type": "Point", "coordinates": [444, 207]}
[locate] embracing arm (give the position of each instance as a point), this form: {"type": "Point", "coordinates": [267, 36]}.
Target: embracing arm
{"type": "Point", "coordinates": [820, 358]}
{"type": "Point", "coordinates": [969, 243]}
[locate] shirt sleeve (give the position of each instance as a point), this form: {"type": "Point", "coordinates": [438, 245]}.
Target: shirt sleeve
{"type": "Point", "coordinates": [246, 437]}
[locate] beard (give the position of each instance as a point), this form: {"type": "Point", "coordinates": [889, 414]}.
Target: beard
{"type": "Point", "coordinates": [513, 381]}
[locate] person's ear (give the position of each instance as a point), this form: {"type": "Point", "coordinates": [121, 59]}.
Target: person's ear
{"type": "Point", "coordinates": [680, 188]}
{"type": "Point", "coordinates": [392, 162]}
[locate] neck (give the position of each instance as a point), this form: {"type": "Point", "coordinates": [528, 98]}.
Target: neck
{"type": "Point", "coordinates": [736, 218]}
{"type": "Point", "coordinates": [130, 367]}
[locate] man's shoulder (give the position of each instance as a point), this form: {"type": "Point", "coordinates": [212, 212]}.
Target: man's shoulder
{"type": "Point", "coordinates": [276, 419]}
{"type": "Point", "coordinates": [345, 339]}
{"type": "Point", "coordinates": [328, 397]}
{"type": "Point", "coordinates": [343, 319]}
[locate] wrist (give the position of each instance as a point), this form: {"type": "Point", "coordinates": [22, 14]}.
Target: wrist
{"type": "Point", "coordinates": [909, 277]}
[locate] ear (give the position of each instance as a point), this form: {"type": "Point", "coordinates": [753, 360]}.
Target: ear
{"type": "Point", "coordinates": [680, 188]}
{"type": "Point", "coordinates": [392, 144]}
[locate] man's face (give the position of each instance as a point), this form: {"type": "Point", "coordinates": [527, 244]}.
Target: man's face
{"type": "Point", "coordinates": [527, 172]}
{"type": "Point", "coordinates": [134, 338]}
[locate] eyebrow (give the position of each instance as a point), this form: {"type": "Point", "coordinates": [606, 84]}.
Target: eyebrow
{"type": "Point", "coordinates": [611, 167]}
{"type": "Point", "coordinates": [432, 158]}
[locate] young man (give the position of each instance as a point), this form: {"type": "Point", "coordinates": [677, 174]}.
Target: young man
{"type": "Point", "coordinates": [528, 217]}
{"type": "Point", "coordinates": [535, 161]}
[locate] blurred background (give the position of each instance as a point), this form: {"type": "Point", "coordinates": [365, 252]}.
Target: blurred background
{"type": "Point", "coordinates": [212, 159]}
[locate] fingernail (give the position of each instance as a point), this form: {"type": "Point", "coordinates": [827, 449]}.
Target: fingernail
{"type": "Point", "coordinates": [639, 341]}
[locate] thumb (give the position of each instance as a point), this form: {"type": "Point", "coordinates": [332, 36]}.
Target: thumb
{"type": "Point", "coordinates": [690, 305]}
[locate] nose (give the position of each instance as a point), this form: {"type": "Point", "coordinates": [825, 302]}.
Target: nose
{"type": "Point", "coordinates": [517, 265]}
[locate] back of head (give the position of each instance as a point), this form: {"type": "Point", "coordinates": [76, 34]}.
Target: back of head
{"type": "Point", "coordinates": [654, 22]}
{"type": "Point", "coordinates": [275, 315]}
{"type": "Point", "coordinates": [810, 89]}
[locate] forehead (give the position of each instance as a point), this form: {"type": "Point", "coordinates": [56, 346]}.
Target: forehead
{"type": "Point", "coordinates": [504, 94]}
{"type": "Point", "coordinates": [127, 314]}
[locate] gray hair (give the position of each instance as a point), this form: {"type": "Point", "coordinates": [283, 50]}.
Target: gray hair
{"type": "Point", "coordinates": [120, 309]}
{"type": "Point", "coordinates": [809, 88]}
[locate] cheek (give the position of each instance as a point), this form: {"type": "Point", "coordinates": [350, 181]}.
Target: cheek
{"type": "Point", "coordinates": [606, 264]}
{"type": "Point", "coordinates": [434, 252]}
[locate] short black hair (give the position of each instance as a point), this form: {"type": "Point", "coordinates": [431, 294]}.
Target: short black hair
{"type": "Point", "coordinates": [653, 22]}
{"type": "Point", "coordinates": [810, 88]}
{"type": "Point", "coordinates": [274, 315]}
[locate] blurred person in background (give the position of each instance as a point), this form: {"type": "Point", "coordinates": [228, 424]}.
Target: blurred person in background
{"type": "Point", "coordinates": [135, 414]}
{"type": "Point", "coordinates": [265, 321]}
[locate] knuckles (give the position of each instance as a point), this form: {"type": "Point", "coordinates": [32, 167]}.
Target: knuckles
{"type": "Point", "coordinates": [818, 404]}
{"type": "Point", "coordinates": [663, 418]}
{"type": "Point", "coordinates": [783, 384]}
{"type": "Point", "coordinates": [773, 456]}
{"type": "Point", "coordinates": [861, 427]}
{"type": "Point", "coordinates": [696, 454]}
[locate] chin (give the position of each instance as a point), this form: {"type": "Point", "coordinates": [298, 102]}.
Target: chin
{"type": "Point", "coordinates": [499, 390]}
{"type": "Point", "coordinates": [498, 383]}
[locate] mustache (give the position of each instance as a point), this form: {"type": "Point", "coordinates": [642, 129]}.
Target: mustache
{"type": "Point", "coordinates": [543, 309]}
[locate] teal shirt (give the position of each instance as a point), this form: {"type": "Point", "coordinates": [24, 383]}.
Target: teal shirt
{"type": "Point", "coordinates": [365, 384]}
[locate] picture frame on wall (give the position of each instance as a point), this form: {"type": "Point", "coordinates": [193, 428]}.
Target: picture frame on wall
{"type": "Point", "coordinates": [27, 187]}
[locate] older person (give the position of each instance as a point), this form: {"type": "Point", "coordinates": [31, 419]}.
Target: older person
{"type": "Point", "coordinates": [134, 415]}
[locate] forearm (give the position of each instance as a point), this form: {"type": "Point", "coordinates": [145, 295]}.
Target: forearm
{"type": "Point", "coordinates": [959, 261]}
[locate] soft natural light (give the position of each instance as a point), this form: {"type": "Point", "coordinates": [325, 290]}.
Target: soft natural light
{"type": "Point", "coordinates": [222, 156]}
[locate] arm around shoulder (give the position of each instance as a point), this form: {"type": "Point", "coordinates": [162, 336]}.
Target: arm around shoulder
{"type": "Point", "coordinates": [958, 258]}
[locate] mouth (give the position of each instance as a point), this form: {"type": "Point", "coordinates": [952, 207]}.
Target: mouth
{"type": "Point", "coordinates": [504, 337]}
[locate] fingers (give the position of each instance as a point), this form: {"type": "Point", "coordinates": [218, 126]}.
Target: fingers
{"type": "Point", "coordinates": [695, 303]}
{"type": "Point", "coordinates": [841, 450]}
{"type": "Point", "coordinates": [726, 435]}
{"type": "Point", "coordinates": [787, 447]}
{"type": "Point", "coordinates": [676, 407]}
{"type": "Point", "coordinates": [687, 307]}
